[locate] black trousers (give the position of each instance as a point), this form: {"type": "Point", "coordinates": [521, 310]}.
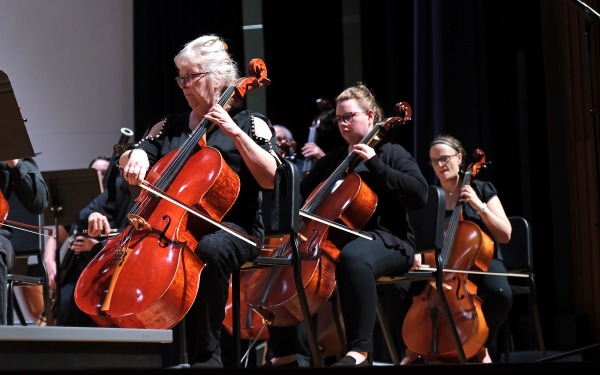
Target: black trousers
{"type": "Point", "coordinates": [222, 253]}
{"type": "Point", "coordinates": [360, 263]}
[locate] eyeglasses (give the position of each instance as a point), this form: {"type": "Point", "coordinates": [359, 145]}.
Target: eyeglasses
{"type": "Point", "coordinates": [187, 79]}
{"type": "Point", "coordinates": [346, 117]}
{"type": "Point", "coordinates": [442, 160]}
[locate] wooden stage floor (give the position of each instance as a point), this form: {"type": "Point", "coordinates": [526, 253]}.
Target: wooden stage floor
{"type": "Point", "coordinates": [49, 350]}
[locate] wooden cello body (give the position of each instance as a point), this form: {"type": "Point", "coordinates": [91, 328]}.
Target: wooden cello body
{"type": "Point", "coordinates": [272, 292]}
{"type": "Point", "coordinates": [252, 325]}
{"type": "Point", "coordinates": [3, 207]}
{"type": "Point", "coordinates": [427, 330]}
{"type": "Point", "coordinates": [148, 276]}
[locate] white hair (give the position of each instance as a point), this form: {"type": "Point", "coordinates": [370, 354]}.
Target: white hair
{"type": "Point", "coordinates": [209, 53]}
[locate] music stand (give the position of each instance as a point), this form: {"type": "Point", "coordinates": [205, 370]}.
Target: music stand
{"type": "Point", "coordinates": [16, 144]}
{"type": "Point", "coordinates": [70, 191]}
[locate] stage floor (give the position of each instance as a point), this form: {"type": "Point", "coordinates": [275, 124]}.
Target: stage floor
{"type": "Point", "coordinates": [74, 348]}
{"type": "Point", "coordinates": [33, 349]}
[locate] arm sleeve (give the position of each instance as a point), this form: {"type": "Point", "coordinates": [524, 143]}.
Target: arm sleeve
{"type": "Point", "coordinates": [28, 184]}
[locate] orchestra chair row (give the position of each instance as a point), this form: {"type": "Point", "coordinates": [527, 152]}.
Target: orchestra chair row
{"type": "Point", "coordinates": [15, 280]}
{"type": "Point", "coordinates": [281, 213]}
{"type": "Point", "coordinates": [518, 259]}
{"type": "Point", "coordinates": [25, 245]}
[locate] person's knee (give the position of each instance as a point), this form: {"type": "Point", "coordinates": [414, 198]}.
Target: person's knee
{"type": "Point", "coordinates": [7, 255]}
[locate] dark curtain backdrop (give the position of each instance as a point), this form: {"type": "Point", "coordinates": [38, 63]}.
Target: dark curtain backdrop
{"type": "Point", "coordinates": [474, 69]}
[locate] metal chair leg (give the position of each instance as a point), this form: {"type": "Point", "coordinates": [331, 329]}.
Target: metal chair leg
{"type": "Point", "coordinates": [389, 341]}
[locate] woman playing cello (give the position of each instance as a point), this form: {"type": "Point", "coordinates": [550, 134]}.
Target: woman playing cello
{"type": "Point", "coordinates": [205, 70]}
{"type": "Point", "coordinates": [392, 173]}
{"type": "Point", "coordinates": [482, 207]}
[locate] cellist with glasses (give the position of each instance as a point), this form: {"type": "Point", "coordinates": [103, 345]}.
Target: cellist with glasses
{"type": "Point", "coordinates": [246, 142]}
{"type": "Point", "coordinates": [393, 175]}
{"type": "Point", "coordinates": [483, 207]}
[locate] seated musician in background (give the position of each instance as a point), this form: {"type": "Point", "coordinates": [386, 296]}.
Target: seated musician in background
{"type": "Point", "coordinates": [105, 212]}
{"type": "Point", "coordinates": [325, 138]}
{"type": "Point", "coordinates": [393, 174]}
{"type": "Point", "coordinates": [246, 143]}
{"type": "Point", "coordinates": [483, 207]}
{"type": "Point", "coordinates": [23, 178]}
{"type": "Point", "coordinates": [287, 144]}
{"type": "Point", "coordinates": [101, 164]}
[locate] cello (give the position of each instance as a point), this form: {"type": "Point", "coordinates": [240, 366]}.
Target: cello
{"type": "Point", "coordinates": [251, 323]}
{"type": "Point", "coordinates": [466, 247]}
{"type": "Point", "coordinates": [148, 276]}
{"type": "Point", "coordinates": [272, 292]}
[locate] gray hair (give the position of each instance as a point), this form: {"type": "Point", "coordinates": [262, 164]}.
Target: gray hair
{"type": "Point", "coordinates": [288, 133]}
{"type": "Point", "coordinates": [209, 53]}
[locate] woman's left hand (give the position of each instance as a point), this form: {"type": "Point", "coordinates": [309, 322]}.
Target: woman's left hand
{"type": "Point", "coordinates": [219, 116]}
{"type": "Point", "coordinates": [467, 194]}
{"type": "Point", "coordinates": [364, 151]}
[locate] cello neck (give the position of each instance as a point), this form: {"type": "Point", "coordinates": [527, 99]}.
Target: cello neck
{"type": "Point", "coordinates": [453, 224]}
{"type": "Point", "coordinates": [371, 139]}
{"type": "Point", "coordinates": [471, 172]}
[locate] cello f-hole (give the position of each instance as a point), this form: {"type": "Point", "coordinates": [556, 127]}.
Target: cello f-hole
{"type": "Point", "coordinates": [162, 240]}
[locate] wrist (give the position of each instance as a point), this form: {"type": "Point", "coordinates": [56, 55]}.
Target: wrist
{"type": "Point", "coordinates": [481, 209]}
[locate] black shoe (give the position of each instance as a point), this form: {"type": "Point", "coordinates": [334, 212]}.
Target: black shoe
{"type": "Point", "coordinates": [214, 361]}
{"type": "Point", "coordinates": [348, 361]}
{"type": "Point", "coordinates": [287, 365]}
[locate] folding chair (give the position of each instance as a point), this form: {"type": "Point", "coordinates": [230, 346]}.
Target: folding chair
{"type": "Point", "coordinates": [14, 280]}
{"type": "Point", "coordinates": [284, 219]}
{"type": "Point", "coordinates": [518, 258]}
{"type": "Point", "coordinates": [25, 245]}
{"type": "Point", "coordinates": [428, 225]}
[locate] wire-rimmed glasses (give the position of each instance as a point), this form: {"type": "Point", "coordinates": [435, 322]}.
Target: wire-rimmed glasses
{"type": "Point", "coordinates": [442, 160]}
{"type": "Point", "coordinates": [187, 79]}
{"type": "Point", "coordinates": [346, 117]}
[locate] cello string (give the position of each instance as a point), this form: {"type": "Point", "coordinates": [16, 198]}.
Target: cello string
{"type": "Point", "coordinates": [336, 225]}
{"type": "Point", "coordinates": [251, 240]}
{"type": "Point", "coordinates": [317, 199]}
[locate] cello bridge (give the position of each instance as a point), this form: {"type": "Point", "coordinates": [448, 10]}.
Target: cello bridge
{"type": "Point", "coordinates": [445, 286]}
{"type": "Point", "coordinates": [138, 222]}
{"type": "Point", "coordinates": [120, 255]}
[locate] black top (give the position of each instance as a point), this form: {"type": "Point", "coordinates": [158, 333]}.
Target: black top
{"type": "Point", "coordinates": [485, 190]}
{"type": "Point", "coordinates": [114, 203]}
{"type": "Point", "coordinates": [393, 175]}
{"type": "Point", "coordinates": [26, 181]}
{"type": "Point", "coordinates": [245, 212]}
